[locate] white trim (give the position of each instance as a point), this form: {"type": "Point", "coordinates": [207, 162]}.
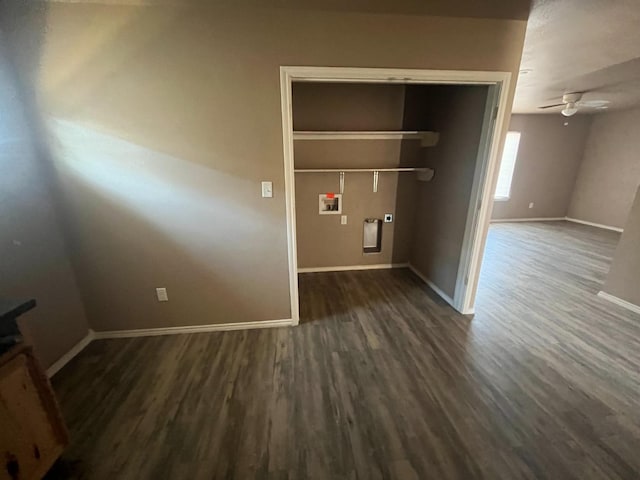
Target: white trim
{"type": "Point", "coordinates": [471, 224]}
{"type": "Point", "coordinates": [481, 199]}
{"type": "Point", "coordinates": [591, 224]}
{"type": "Point", "coordinates": [427, 138]}
{"type": "Point", "coordinates": [557, 219]}
{"type": "Point", "coordinates": [220, 327]}
{"type": "Point", "coordinates": [432, 285]}
{"type": "Point", "coordinates": [290, 190]}
{"type": "Point", "coordinates": [149, 332]}
{"type": "Point", "coordinates": [392, 75]}
{"type": "Point", "coordinates": [534, 219]}
{"type": "Point", "coordinates": [618, 301]}
{"type": "Point", "coordinates": [360, 135]}
{"type": "Point", "coordinates": [360, 170]}
{"type": "Point", "coordinates": [348, 268]}
{"type": "Point", "coordinates": [67, 357]}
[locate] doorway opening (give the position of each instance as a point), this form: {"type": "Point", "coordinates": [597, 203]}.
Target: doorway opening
{"type": "Point", "coordinates": [403, 163]}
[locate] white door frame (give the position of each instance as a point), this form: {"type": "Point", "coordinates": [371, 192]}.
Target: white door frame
{"type": "Point", "coordinates": [479, 212]}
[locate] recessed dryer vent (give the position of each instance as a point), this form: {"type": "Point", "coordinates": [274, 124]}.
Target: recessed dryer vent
{"type": "Point", "coordinates": [372, 236]}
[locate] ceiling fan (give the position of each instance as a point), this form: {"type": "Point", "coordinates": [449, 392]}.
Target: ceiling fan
{"type": "Point", "coordinates": [572, 102]}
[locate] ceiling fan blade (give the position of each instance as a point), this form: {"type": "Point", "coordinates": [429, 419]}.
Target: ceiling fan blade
{"type": "Point", "coordinates": [552, 106]}
{"type": "Point", "coordinates": [593, 103]}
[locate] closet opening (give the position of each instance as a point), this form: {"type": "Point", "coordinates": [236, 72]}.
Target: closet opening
{"type": "Point", "coordinates": [389, 174]}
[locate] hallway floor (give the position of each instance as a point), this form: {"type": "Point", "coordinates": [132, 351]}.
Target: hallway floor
{"type": "Point", "coordinates": [382, 380]}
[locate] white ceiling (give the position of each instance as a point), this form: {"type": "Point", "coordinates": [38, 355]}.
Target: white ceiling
{"type": "Point", "coordinates": [588, 46]}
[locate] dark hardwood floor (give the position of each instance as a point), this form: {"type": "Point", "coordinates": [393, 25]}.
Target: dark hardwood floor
{"type": "Point", "coordinates": [382, 380]}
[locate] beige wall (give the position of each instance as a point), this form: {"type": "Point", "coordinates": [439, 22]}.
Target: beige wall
{"type": "Point", "coordinates": [322, 240]}
{"type": "Point", "coordinates": [610, 172]}
{"type": "Point", "coordinates": [457, 113]}
{"type": "Point", "coordinates": [346, 106]}
{"type": "Point", "coordinates": [33, 255]}
{"type": "Point", "coordinates": [623, 280]}
{"type": "Point", "coordinates": [168, 119]}
{"type": "Point", "coordinates": [547, 164]}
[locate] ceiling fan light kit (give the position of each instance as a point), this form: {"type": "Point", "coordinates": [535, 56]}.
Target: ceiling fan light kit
{"type": "Point", "coordinates": [569, 110]}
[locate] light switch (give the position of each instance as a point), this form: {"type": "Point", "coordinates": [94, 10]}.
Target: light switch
{"type": "Point", "coordinates": [388, 217]}
{"type": "Point", "coordinates": [161, 293]}
{"type": "Point", "coordinates": [531, 205]}
{"type": "Point", "coordinates": [343, 220]}
{"type": "Point", "coordinates": [267, 189]}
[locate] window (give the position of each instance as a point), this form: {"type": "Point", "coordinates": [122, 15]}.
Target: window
{"type": "Point", "coordinates": [508, 165]}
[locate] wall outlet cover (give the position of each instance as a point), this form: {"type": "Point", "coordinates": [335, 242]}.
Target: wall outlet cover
{"type": "Point", "coordinates": [161, 293]}
{"type": "Point", "coordinates": [343, 220]}
{"type": "Point", "coordinates": [531, 205]}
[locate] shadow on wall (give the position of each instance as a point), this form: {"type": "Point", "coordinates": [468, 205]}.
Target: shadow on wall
{"type": "Point", "coordinates": [457, 113]}
{"type": "Point", "coordinates": [153, 77]}
{"type": "Point", "coordinates": [34, 261]}
{"type": "Point", "coordinates": [202, 86]}
{"type": "Point", "coordinates": [148, 175]}
{"type": "Point", "coordinates": [136, 194]}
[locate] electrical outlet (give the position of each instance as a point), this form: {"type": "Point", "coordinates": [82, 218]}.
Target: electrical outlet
{"type": "Point", "coordinates": [388, 217]}
{"type": "Point", "coordinates": [267, 189]}
{"type": "Point", "coordinates": [343, 220]}
{"type": "Point", "coordinates": [161, 293]}
{"type": "Point", "coordinates": [531, 205]}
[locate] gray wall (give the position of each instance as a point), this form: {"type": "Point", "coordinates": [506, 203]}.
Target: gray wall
{"type": "Point", "coordinates": [547, 165]}
{"type": "Point", "coordinates": [33, 254]}
{"type": "Point", "coordinates": [442, 205]}
{"type": "Point", "coordinates": [623, 280]}
{"type": "Point", "coordinates": [167, 119]}
{"type": "Point", "coordinates": [610, 172]}
{"type": "Point", "coordinates": [322, 240]}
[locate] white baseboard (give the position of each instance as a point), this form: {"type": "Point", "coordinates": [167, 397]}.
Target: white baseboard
{"type": "Point", "coordinates": [535, 219]}
{"type": "Point", "coordinates": [432, 285]}
{"type": "Point", "coordinates": [557, 219]}
{"type": "Point", "coordinates": [347, 268]}
{"type": "Point", "coordinates": [148, 332]}
{"type": "Point", "coordinates": [67, 357]}
{"type": "Point", "coordinates": [222, 327]}
{"type": "Point", "coordinates": [598, 225]}
{"type": "Point", "coordinates": [618, 301]}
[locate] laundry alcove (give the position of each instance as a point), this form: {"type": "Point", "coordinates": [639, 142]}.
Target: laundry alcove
{"type": "Point", "coordinates": [405, 150]}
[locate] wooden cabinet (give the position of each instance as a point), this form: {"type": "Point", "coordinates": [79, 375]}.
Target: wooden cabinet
{"type": "Point", "coordinates": [32, 433]}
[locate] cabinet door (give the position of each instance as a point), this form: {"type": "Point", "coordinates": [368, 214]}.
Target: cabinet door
{"type": "Point", "coordinates": [28, 443]}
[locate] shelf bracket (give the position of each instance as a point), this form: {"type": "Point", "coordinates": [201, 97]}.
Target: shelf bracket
{"type": "Point", "coordinates": [376, 174]}
{"type": "Point", "coordinates": [341, 182]}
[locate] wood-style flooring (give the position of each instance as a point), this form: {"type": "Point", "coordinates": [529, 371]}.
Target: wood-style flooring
{"type": "Point", "coordinates": [382, 380]}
